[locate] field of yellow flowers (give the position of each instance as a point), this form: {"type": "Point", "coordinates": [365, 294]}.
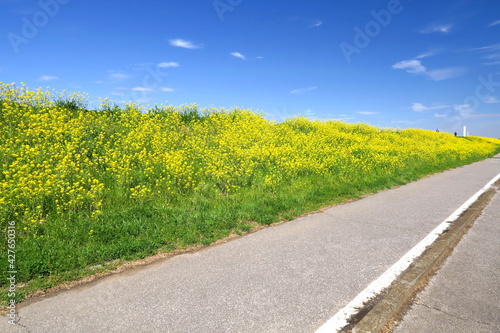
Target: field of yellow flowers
{"type": "Point", "coordinates": [84, 187]}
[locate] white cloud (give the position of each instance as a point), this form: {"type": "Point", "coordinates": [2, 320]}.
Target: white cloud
{"type": "Point", "coordinates": [437, 28]}
{"type": "Point", "coordinates": [419, 107]}
{"type": "Point", "coordinates": [143, 89]}
{"type": "Point", "coordinates": [302, 90]}
{"type": "Point", "coordinates": [425, 54]}
{"type": "Point", "coordinates": [494, 23]}
{"type": "Point", "coordinates": [316, 24]}
{"type": "Point", "coordinates": [411, 66]}
{"type": "Point", "coordinates": [460, 110]}
{"type": "Point", "coordinates": [408, 122]}
{"type": "Point", "coordinates": [464, 110]}
{"type": "Point", "coordinates": [494, 48]}
{"type": "Point", "coordinates": [144, 100]}
{"type": "Point", "coordinates": [47, 78]}
{"type": "Point", "coordinates": [487, 48]}
{"type": "Point", "coordinates": [184, 44]}
{"type": "Point", "coordinates": [366, 113]}
{"type": "Point", "coordinates": [414, 66]}
{"type": "Point", "coordinates": [165, 89]}
{"type": "Point", "coordinates": [492, 100]}
{"type": "Point", "coordinates": [478, 115]}
{"type": "Point", "coordinates": [118, 76]}
{"type": "Point", "coordinates": [445, 28]}
{"type": "Point", "coordinates": [238, 55]}
{"type": "Point", "coordinates": [168, 64]}
{"type": "Point", "coordinates": [445, 73]}
{"type": "Point", "coordinates": [493, 56]}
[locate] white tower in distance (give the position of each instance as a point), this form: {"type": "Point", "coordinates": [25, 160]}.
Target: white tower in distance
{"type": "Point", "coordinates": [465, 131]}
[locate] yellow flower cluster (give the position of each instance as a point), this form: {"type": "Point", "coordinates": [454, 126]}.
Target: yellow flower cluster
{"type": "Point", "coordinates": [56, 159]}
{"type": "Point", "coordinates": [45, 157]}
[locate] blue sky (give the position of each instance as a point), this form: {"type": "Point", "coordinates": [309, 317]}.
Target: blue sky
{"type": "Point", "coordinates": [420, 64]}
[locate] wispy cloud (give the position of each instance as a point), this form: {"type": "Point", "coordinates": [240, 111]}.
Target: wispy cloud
{"type": "Point", "coordinates": [414, 66]}
{"type": "Point", "coordinates": [118, 76]}
{"type": "Point", "coordinates": [143, 89]}
{"type": "Point", "coordinates": [144, 100]}
{"type": "Point", "coordinates": [492, 47]}
{"type": "Point", "coordinates": [483, 115]}
{"type": "Point", "coordinates": [464, 110]}
{"type": "Point", "coordinates": [419, 107]}
{"type": "Point", "coordinates": [238, 55]}
{"type": "Point", "coordinates": [494, 55]}
{"type": "Point", "coordinates": [168, 64]}
{"type": "Point", "coordinates": [184, 44]}
{"type": "Point", "coordinates": [367, 113]}
{"type": "Point", "coordinates": [436, 28]}
{"type": "Point", "coordinates": [302, 90]}
{"type": "Point", "coordinates": [47, 78]}
{"type": "Point", "coordinates": [408, 122]}
{"type": "Point", "coordinates": [166, 89]}
{"type": "Point", "coordinates": [411, 66]}
{"type": "Point", "coordinates": [426, 54]}
{"type": "Point", "coordinates": [457, 110]}
{"type": "Point", "coordinates": [445, 73]}
{"type": "Point", "coordinates": [316, 24]}
{"type": "Point", "coordinates": [492, 24]}
{"type": "Point", "coordinates": [492, 100]}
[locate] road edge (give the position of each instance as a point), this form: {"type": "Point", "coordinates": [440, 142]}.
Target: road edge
{"type": "Point", "coordinates": [376, 307]}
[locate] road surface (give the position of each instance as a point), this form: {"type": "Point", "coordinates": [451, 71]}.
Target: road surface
{"type": "Point", "coordinates": [464, 296]}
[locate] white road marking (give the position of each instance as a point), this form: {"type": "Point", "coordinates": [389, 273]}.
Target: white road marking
{"type": "Point", "coordinates": [341, 318]}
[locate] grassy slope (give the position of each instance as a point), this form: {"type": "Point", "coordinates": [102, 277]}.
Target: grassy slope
{"type": "Point", "coordinates": [237, 169]}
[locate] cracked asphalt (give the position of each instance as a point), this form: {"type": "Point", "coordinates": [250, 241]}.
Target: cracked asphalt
{"type": "Point", "coordinates": [464, 295]}
{"type": "Point", "coordinates": [287, 278]}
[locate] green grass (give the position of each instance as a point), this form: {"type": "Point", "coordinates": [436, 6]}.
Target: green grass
{"type": "Point", "coordinates": [135, 232]}
{"type": "Point", "coordinates": [233, 171]}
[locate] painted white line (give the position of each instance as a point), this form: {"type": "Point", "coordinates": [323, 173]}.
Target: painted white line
{"type": "Point", "coordinates": [341, 318]}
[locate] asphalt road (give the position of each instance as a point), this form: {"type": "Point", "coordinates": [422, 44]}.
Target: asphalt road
{"type": "Point", "coordinates": [288, 278]}
{"type": "Point", "coordinates": [464, 296]}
